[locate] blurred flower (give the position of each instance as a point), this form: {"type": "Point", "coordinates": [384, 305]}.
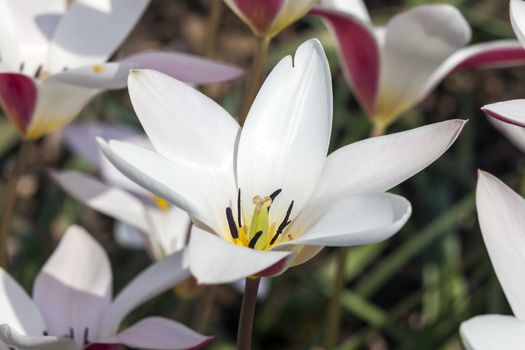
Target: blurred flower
{"type": "Point", "coordinates": [53, 59]}
{"type": "Point", "coordinates": [509, 118]}
{"type": "Point", "coordinates": [269, 193]}
{"type": "Point", "coordinates": [501, 214]}
{"type": "Point", "coordinates": [143, 219]}
{"type": "Point", "coordinates": [392, 68]}
{"type": "Point", "coordinates": [269, 17]}
{"type": "Point", "coordinates": [72, 306]}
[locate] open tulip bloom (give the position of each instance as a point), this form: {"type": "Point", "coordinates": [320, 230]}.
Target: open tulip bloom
{"type": "Point", "coordinates": [392, 68]}
{"type": "Point", "coordinates": [144, 220]}
{"type": "Point", "coordinates": [53, 58]}
{"type": "Point", "coordinates": [268, 192]}
{"type": "Point", "coordinates": [268, 18]}
{"type": "Point", "coordinates": [501, 215]}
{"type": "Point", "coordinates": [72, 306]}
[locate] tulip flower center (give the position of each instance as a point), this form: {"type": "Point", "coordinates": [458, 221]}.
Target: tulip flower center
{"type": "Point", "coordinates": [260, 233]}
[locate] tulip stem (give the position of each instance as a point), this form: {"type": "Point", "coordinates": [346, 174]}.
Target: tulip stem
{"type": "Point", "coordinates": [214, 19]}
{"type": "Point", "coordinates": [334, 307]}
{"type": "Point", "coordinates": [9, 199]}
{"type": "Point", "coordinates": [255, 77]}
{"type": "Point", "coordinates": [249, 301]}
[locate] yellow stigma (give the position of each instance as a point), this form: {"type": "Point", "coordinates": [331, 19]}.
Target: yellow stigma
{"type": "Point", "coordinates": [260, 227]}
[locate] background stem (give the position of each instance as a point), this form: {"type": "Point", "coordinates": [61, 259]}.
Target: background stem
{"type": "Point", "coordinates": [9, 199]}
{"type": "Point", "coordinates": [214, 20]}
{"type": "Point", "coordinates": [249, 301]}
{"type": "Point", "coordinates": [206, 309]}
{"type": "Point", "coordinates": [255, 77]}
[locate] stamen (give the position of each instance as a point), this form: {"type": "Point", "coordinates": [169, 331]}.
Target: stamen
{"type": "Point", "coordinates": [71, 333]}
{"type": "Point", "coordinates": [239, 208]}
{"type": "Point", "coordinates": [86, 333]}
{"type": "Point", "coordinates": [38, 71]}
{"type": "Point", "coordinates": [231, 223]}
{"type": "Point", "coordinates": [275, 194]}
{"type": "Point", "coordinates": [45, 333]}
{"type": "Point", "coordinates": [21, 68]}
{"type": "Point", "coordinates": [254, 239]}
{"type": "Point", "coordinates": [65, 69]}
{"type": "Point", "coordinates": [283, 224]}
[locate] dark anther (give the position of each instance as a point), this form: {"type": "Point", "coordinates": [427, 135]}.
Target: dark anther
{"type": "Point", "coordinates": [38, 71]}
{"type": "Point", "coordinates": [283, 224]}
{"type": "Point", "coordinates": [254, 239]}
{"type": "Point", "coordinates": [86, 333]}
{"type": "Point", "coordinates": [46, 333]}
{"type": "Point", "coordinates": [71, 333]}
{"type": "Point", "coordinates": [21, 68]}
{"type": "Point", "coordinates": [65, 69]}
{"type": "Point", "coordinates": [275, 194]}
{"type": "Point", "coordinates": [231, 223]}
{"type": "Point", "coordinates": [239, 208]}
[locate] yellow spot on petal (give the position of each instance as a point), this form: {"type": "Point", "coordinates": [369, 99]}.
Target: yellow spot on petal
{"type": "Point", "coordinates": [161, 203]}
{"type": "Point", "coordinates": [98, 69]}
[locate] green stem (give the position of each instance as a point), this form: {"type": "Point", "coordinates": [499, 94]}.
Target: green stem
{"type": "Point", "coordinates": [334, 307]}
{"type": "Point", "coordinates": [249, 301]}
{"type": "Point", "coordinates": [9, 199]}
{"type": "Point", "coordinates": [255, 77]}
{"type": "Point", "coordinates": [214, 21]}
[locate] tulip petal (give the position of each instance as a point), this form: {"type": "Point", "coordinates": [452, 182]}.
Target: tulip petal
{"type": "Point", "coordinates": [377, 164]}
{"type": "Point", "coordinates": [416, 43]}
{"type": "Point", "coordinates": [110, 201]}
{"type": "Point", "coordinates": [258, 15]}
{"type": "Point", "coordinates": [356, 8]}
{"type": "Point", "coordinates": [17, 308]}
{"type": "Point", "coordinates": [193, 132]}
{"type": "Point", "coordinates": [285, 139]}
{"type": "Point", "coordinates": [151, 282]}
{"type": "Point", "coordinates": [517, 18]}
{"type": "Point", "coordinates": [185, 67]}
{"type": "Point", "coordinates": [493, 332]}
{"type": "Point", "coordinates": [35, 23]}
{"type": "Point", "coordinates": [57, 105]}
{"type": "Point", "coordinates": [18, 96]}
{"type": "Point", "coordinates": [212, 260]}
{"type": "Point", "coordinates": [500, 215]}
{"type": "Point", "coordinates": [512, 112]}
{"type": "Point", "coordinates": [8, 37]}
{"type": "Point", "coordinates": [128, 236]}
{"type": "Point", "coordinates": [18, 341]}
{"type": "Point", "coordinates": [515, 134]}
{"type": "Point", "coordinates": [292, 10]}
{"type": "Point", "coordinates": [359, 54]}
{"type": "Point", "coordinates": [74, 287]}
{"type": "Point", "coordinates": [170, 231]}
{"type": "Point", "coordinates": [92, 30]}
{"type": "Point", "coordinates": [112, 75]}
{"type": "Point", "coordinates": [159, 334]}
{"type": "Point", "coordinates": [170, 180]}
{"type": "Point", "coordinates": [357, 220]}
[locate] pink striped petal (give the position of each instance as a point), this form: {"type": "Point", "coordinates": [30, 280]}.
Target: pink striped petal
{"type": "Point", "coordinates": [259, 15]}
{"type": "Point", "coordinates": [496, 53]}
{"type": "Point", "coordinates": [511, 112]}
{"type": "Point", "coordinates": [359, 52]}
{"type": "Point", "coordinates": [18, 97]}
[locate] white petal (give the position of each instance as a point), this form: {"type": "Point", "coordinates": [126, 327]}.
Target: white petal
{"type": "Point", "coordinates": [170, 230]}
{"type": "Point", "coordinates": [92, 30]}
{"type": "Point", "coordinates": [197, 190]}
{"type": "Point", "coordinates": [18, 341]}
{"type": "Point", "coordinates": [377, 164]}
{"type": "Point", "coordinates": [493, 332]}
{"type": "Point", "coordinates": [184, 67]}
{"type": "Point", "coordinates": [502, 221]}
{"type": "Point", "coordinates": [57, 105]}
{"type": "Point", "coordinates": [212, 260]}
{"type": "Point", "coordinates": [159, 334]}
{"type": "Point", "coordinates": [156, 279]}
{"type": "Point", "coordinates": [285, 140]}
{"type": "Point", "coordinates": [357, 220]}
{"type": "Point", "coordinates": [356, 8]}
{"type": "Point", "coordinates": [416, 43]}
{"type": "Point", "coordinates": [512, 112]}
{"type": "Point", "coordinates": [74, 287]}
{"type": "Point", "coordinates": [10, 54]}
{"type": "Point", "coordinates": [517, 18]}
{"type": "Point", "coordinates": [110, 201]}
{"type": "Point", "coordinates": [35, 24]}
{"type": "Point", "coordinates": [515, 134]}
{"type": "Point", "coordinates": [17, 309]}
{"type": "Point", "coordinates": [262, 292]}
{"type": "Point", "coordinates": [113, 75]}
